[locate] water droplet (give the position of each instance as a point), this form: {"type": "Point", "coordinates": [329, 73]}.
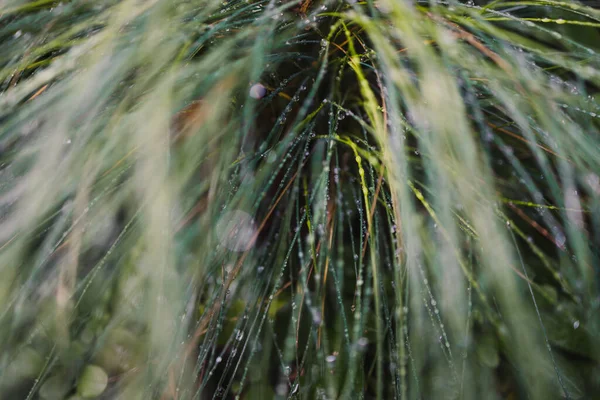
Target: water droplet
{"type": "Point", "coordinates": [576, 324]}
{"type": "Point", "coordinates": [236, 230]}
{"type": "Point", "coordinates": [281, 389]}
{"type": "Point", "coordinates": [257, 91]}
{"type": "Point", "coordinates": [560, 239]}
{"type": "Point", "coordinates": [316, 316]}
{"type": "Point", "coordinates": [362, 342]}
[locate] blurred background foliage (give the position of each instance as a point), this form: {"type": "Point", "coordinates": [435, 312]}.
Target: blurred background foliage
{"type": "Point", "coordinates": [251, 199]}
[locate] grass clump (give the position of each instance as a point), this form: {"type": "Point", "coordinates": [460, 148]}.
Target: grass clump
{"type": "Point", "coordinates": [299, 199]}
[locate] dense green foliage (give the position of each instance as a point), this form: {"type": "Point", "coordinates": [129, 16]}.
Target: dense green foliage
{"type": "Point", "coordinates": [307, 199]}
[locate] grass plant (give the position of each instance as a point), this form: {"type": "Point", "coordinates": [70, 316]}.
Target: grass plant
{"type": "Point", "coordinates": [254, 199]}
